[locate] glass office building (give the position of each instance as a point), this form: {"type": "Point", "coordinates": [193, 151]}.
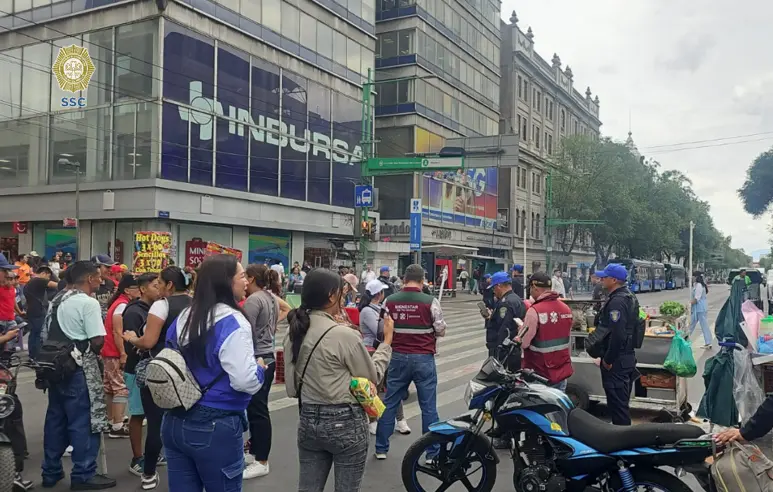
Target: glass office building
{"type": "Point", "coordinates": [220, 120]}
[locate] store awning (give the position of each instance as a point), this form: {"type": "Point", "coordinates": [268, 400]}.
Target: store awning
{"type": "Point", "coordinates": [449, 250]}
{"type": "Point", "coordinates": [496, 259]}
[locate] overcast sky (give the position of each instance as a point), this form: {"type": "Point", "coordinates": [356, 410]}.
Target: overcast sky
{"type": "Point", "coordinates": [688, 71]}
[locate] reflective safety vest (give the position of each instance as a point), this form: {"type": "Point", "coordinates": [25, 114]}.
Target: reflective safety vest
{"type": "Point", "coordinates": [548, 354]}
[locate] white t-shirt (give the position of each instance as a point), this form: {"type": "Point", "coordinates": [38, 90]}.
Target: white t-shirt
{"type": "Point", "coordinates": [160, 309]}
{"type": "Point", "coordinates": [120, 309]}
{"type": "Point", "coordinates": [367, 276]}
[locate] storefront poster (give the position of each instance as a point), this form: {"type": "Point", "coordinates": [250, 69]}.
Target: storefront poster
{"type": "Point", "coordinates": [268, 249]}
{"type": "Point", "coordinates": [219, 249]}
{"type": "Point", "coordinates": [151, 251]}
{"type": "Point", "coordinates": [63, 240]}
{"type": "Point", "coordinates": [195, 252]}
{"type": "Point", "coordinates": [465, 197]}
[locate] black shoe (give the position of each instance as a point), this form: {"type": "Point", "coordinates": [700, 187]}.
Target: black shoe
{"type": "Point", "coordinates": [97, 482]}
{"type": "Point", "coordinates": [20, 484]}
{"type": "Point", "coordinates": [50, 484]}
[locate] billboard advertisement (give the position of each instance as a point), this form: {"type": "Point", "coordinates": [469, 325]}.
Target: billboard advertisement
{"type": "Point", "coordinates": [269, 248]}
{"type": "Point", "coordinates": [464, 197]}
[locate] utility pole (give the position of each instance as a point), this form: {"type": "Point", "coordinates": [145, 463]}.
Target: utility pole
{"type": "Point", "coordinates": [368, 149]}
{"type": "Point", "coordinates": [689, 272]}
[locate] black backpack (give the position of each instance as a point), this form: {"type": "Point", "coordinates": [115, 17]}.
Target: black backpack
{"type": "Point", "coordinates": [639, 325]}
{"type": "Point", "coordinates": [55, 361]}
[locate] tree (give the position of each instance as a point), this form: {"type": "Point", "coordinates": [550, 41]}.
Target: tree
{"type": "Point", "coordinates": [757, 191]}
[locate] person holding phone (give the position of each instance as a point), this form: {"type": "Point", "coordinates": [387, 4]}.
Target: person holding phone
{"type": "Point", "coordinates": [372, 328]}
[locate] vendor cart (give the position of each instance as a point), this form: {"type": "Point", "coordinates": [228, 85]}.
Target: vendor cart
{"type": "Point", "coordinates": [657, 389]}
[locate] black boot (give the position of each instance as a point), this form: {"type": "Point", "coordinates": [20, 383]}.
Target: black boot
{"type": "Point", "coordinates": [97, 482]}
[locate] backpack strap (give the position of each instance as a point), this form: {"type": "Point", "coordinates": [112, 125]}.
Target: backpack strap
{"type": "Point", "coordinates": [308, 359]}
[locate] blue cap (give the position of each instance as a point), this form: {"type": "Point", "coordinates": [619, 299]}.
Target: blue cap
{"type": "Point", "coordinates": [5, 265]}
{"type": "Point", "coordinates": [384, 269]}
{"type": "Point", "coordinates": [517, 268]}
{"type": "Point", "coordinates": [500, 278]}
{"type": "Point", "coordinates": [615, 271]}
{"type": "Point", "coordinates": [102, 260]}
{"type": "Point", "coordinates": [487, 276]}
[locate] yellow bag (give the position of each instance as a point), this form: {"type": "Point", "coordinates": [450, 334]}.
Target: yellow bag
{"type": "Point", "coordinates": [366, 393]}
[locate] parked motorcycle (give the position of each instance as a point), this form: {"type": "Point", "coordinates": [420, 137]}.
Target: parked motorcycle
{"type": "Point", "coordinates": [555, 447]}
{"type": "Point", "coordinates": [9, 371]}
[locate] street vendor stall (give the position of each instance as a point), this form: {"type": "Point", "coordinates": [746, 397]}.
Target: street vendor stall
{"type": "Point", "coordinates": [657, 388]}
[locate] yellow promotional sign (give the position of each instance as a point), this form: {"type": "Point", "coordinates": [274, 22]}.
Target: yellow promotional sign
{"type": "Point", "coordinates": [73, 68]}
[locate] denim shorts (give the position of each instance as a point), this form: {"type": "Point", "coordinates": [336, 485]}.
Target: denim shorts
{"type": "Point", "coordinates": [135, 400]}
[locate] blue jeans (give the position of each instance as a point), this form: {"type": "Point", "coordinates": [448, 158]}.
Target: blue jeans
{"type": "Point", "coordinates": [404, 368]}
{"type": "Point", "coordinates": [36, 331]}
{"type": "Point", "coordinates": [204, 452]}
{"type": "Point", "coordinates": [702, 318]}
{"type": "Point", "coordinates": [561, 385]}
{"type": "Point", "coordinates": [68, 422]}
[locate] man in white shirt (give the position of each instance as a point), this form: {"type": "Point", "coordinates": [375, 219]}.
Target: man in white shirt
{"type": "Point", "coordinates": [280, 269]}
{"type": "Point", "coordinates": [368, 275]}
{"type": "Point", "coordinates": [558, 284]}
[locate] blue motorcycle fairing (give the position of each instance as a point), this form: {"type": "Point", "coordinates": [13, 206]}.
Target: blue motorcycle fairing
{"type": "Point", "coordinates": [480, 399]}
{"type": "Point", "coordinates": [545, 425]}
{"type": "Point", "coordinates": [453, 426]}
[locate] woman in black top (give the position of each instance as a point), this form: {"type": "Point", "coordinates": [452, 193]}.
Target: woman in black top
{"type": "Point", "coordinates": [174, 298]}
{"type": "Point", "coordinates": [37, 306]}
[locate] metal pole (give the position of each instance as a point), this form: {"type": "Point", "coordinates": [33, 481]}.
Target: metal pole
{"type": "Point", "coordinates": [689, 272]}
{"type": "Point", "coordinates": [78, 210]}
{"type": "Point", "coordinates": [548, 225]}
{"type": "Point", "coordinates": [524, 251]}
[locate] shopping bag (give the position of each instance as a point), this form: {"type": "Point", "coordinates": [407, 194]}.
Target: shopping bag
{"type": "Point", "coordinates": [680, 360]}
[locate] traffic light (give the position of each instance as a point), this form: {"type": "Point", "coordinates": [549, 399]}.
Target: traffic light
{"type": "Point", "coordinates": [366, 228]}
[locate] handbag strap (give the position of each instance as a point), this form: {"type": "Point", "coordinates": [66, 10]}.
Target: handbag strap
{"type": "Point", "coordinates": [308, 359]}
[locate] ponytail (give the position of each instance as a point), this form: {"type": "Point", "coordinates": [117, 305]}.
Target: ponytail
{"type": "Point", "coordinates": [365, 299]}
{"type": "Point", "coordinates": [299, 322]}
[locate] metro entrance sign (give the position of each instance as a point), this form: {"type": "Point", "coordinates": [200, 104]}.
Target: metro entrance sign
{"type": "Point", "coordinates": [412, 164]}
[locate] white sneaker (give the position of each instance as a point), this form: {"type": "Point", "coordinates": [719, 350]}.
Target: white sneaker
{"type": "Point", "coordinates": [380, 456]}
{"type": "Point", "coordinates": [402, 427]}
{"type": "Point", "coordinates": [248, 459]}
{"type": "Point", "coordinates": [373, 427]}
{"type": "Point", "coordinates": [68, 451]}
{"type": "Point", "coordinates": [255, 470]}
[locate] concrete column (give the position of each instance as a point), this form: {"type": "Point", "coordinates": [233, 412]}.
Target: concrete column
{"type": "Point", "coordinates": [297, 245]}
{"type": "Point", "coordinates": [241, 241]}
{"type": "Point", "coordinates": [84, 241]}
{"type": "Point", "coordinates": [25, 245]}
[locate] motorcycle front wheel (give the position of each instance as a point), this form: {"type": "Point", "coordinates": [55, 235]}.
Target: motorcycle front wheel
{"type": "Point", "coordinates": [442, 472]}
{"type": "Point", "coordinates": [650, 479]}
{"type": "Point", "coordinates": [7, 468]}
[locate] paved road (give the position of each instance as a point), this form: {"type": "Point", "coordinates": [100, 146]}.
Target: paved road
{"type": "Point", "coordinates": [460, 355]}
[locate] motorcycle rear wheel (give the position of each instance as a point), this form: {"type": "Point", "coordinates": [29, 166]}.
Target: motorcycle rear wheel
{"type": "Point", "coordinates": [413, 463]}
{"type": "Point", "coordinates": [651, 477]}
{"type": "Point", "coordinates": [7, 468]}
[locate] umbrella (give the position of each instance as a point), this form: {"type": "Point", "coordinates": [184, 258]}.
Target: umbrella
{"type": "Point", "coordinates": [728, 324]}
{"type": "Point", "coordinates": [718, 404]}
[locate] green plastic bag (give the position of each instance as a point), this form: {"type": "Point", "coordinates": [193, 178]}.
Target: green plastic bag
{"type": "Point", "coordinates": [680, 360]}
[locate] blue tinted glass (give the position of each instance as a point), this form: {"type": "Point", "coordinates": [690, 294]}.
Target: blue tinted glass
{"type": "Point", "coordinates": [231, 155]}
{"type": "Point", "coordinates": [294, 123]}
{"type": "Point", "coordinates": [174, 148]}
{"type": "Point", "coordinates": [319, 155]}
{"type": "Point", "coordinates": [189, 62]}
{"type": "Point", "coordinates": [347, 122]}
{"type": "Point", "coordinates": [233, 78]}
{"type": "Point", "coordinates": [264, 164]}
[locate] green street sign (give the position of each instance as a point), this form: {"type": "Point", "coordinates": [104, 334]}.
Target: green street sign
{"type": "Point", "coordinates": [392, 164]}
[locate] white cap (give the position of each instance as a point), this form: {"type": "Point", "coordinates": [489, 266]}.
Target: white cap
{"type": "Point", "coordinates": [375, 286]}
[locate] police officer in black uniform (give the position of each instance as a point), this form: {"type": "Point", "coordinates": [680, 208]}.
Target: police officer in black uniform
{"type": "Point", "coordinates": [502, 319]}
{"type": "Point", "coordinates": [618, 317]}
{"type": "Point", "coordinates": [488, 293]}
{"type": "Point", "coordinates": [517, 271]}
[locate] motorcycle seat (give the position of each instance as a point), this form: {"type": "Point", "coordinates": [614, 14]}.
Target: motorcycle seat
{"type": "Point", "coordinates": [607, 438]}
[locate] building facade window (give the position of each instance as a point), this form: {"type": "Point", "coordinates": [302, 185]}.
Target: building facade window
{"type": "Point", "coordinates": [517, 222]}
{"type": "Point", "coordinates": [563, 120]}
{"type": "Point", "coordinates": [537, 226]}
{"type": "Point", "coordinates": [549, 139]}
{"type": "Point", "coordinates": [523, 223]}
{"type": "Point", "coordinates": [520, 87]}
{"type": "Point", "coordinates": [536, 135]}
{"type": "Point", "coordinates": [525, 128]}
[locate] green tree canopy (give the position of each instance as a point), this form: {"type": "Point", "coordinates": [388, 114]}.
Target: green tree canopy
{"type": "Point", "coordinates": [757, 191]}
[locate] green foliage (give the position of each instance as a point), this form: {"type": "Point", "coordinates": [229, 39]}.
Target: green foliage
{"type": "Point", "coordinates": [757, 191]}
{"type": "Point", "coordinates": [672, 308]}
{"type": "Point", "coordinates": [646, 212]}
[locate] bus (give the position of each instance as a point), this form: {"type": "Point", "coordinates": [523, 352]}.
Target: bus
{"type": "Point", "coordinates": [658, 276]}
{"type": "Point", "coordinates": [640, 274]}
{"type": "Point", "coordinates": [676, 276]}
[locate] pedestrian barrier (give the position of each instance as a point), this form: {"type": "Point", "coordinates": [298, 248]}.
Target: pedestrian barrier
{"type": "Point", "coordinates": [279, 372]}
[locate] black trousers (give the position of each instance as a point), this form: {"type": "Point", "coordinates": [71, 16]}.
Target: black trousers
{"type": "Point", "coordinates": [14, 430]}
{"type": "Point", "coordinates": [617, 383]}
{"type": "Point", "coordinates": [154, 415]}
{"type": "Point", "coordinates": [258, 415]}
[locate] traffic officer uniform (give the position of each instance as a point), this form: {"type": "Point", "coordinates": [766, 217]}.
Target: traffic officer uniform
{"type": "Point", "coordinates": [502, 323]}
{"type": "Point", "coordinates": [618, 315]}
{"type": "Point", "coordinates": [518, 281]}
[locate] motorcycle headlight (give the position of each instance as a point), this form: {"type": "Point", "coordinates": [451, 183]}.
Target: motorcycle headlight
{"type": "Point", "coordinates": [473, 387]}
{"type": "Point", "coordinates": [7, 405]}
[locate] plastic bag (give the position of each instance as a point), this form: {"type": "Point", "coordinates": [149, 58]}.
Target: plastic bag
{"type": "Point", "coordinates": [746, 390]}
{"type": "Point", "coordinates": [752, 316]}
{"type": "Point", "coordinates": [680, 360]}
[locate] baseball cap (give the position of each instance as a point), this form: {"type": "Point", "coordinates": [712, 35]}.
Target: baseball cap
{"type": "Point", "coordinates": [102, 260]}
{"type": "Point", "coordinates": [487, 276]}
{"type": "Point", "coordinates": [34, 254]}
{"type": "Point", "coordinates": [541, 279]}
{"type": "Point", "coordinates": [5, 265]}
{"type": "Point", "coordinates": [383, 269]}
{"type": "Point", "coordinates": [615, 271]}
{"type": "Point", "coordinates": [517, 268]}
{"type": "Point", "coordinates": [375, 286]}
{"type": "Point", "coordinates": [351, 279]}
{"type": "Point", "coordinates": [500, 278]}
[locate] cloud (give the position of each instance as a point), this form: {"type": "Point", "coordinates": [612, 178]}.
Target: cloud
{"type": "Point", "coordinates": [664, 63]}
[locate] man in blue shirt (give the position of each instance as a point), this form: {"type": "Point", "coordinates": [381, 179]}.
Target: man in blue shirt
{"type": "Point", "coordinates": [78, 317]}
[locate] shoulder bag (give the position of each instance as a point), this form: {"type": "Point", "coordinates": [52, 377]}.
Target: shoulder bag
{"type": "Point", "coordinates": [306, 366]}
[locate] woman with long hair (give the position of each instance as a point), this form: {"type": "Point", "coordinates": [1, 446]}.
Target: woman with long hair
{"type": "Point", "coordinates": [700, 309]}
{"type": "Point", "coordinates": [322, 358]}
{"type": "Point", "coordinates": [262, 311]}
{"type": "Point", "coordinates": [204, 445]}
{"type": "Point", "coordinates": [114, 356]}
{"type": "Point", "coordinates": [174, 298]}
